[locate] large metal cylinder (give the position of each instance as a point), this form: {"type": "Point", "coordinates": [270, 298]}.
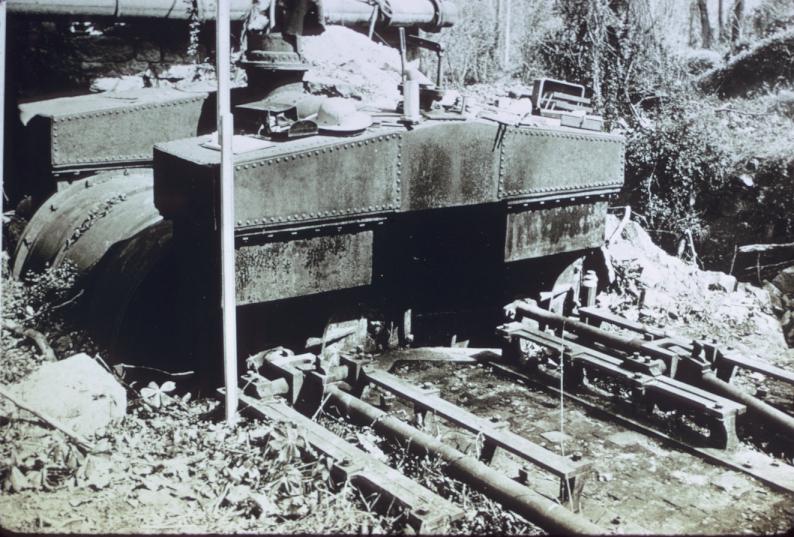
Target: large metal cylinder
{"type": "Point", "coordinates": [83, 220]}
{"type": "Point", "coordinates": [108, 227]}
{"type": "Point", "coordinates": [404, 12]}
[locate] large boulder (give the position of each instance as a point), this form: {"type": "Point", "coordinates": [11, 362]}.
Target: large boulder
{"type": "Point", "coordinates": [785, 281]}
{"type": "Point", "coordinates": [76, 391]}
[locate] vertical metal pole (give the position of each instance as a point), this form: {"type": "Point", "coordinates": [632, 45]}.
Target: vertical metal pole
{"type": "Point", "coordinates": [2, 114]}
{"type": "Point", "coordinates": [225, 134]}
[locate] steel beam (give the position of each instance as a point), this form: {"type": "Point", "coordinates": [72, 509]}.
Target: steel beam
{"type": "Point", "coordinates": [346, 12]}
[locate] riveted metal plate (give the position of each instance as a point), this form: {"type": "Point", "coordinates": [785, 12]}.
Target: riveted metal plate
{"type": "Point", "coordinates": [552, 230]}
{"type": "Point", "coordinates": [449, 164]}
{"type": "Point", "coordinates": [542, 161]}
{"type": "Point", "coordinates": [90, 131]}
{"type": "Point", "coordinates": [337, 177]}
{"type": "Point", "coordinates": [277, 270]}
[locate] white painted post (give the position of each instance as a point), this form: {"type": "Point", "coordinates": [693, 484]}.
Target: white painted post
{"type": "Point", "coordinates": [2, 112]}
{"type": "Point", "coordinates": [225, 134]}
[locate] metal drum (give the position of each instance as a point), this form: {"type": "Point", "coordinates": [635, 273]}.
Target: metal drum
{"type": "Point", "coordinates": [108, 226]}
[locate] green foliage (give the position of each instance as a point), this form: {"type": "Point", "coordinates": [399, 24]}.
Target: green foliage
{"type": "Point", "coordinates": [475, 45]}
{"type": "Point", "coordinates": [35, 298]}
{"type": "Point", "coordinates": [772, 16]}
{"type": "Point", "coordinates": [675, 165]}
{"type": "Point", "coordinates": [471, 46]}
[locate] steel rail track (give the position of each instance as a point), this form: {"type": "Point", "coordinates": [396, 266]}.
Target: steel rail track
{"type": "Point", "coordinates": [764, 468]}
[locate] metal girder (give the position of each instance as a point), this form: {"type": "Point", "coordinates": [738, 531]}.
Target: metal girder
{"type": "Point", "coordinates": [102, 130]}
{"type": "Point", "coordinates": [550, 515]}
{"type": "Point", "coordinates": [547, 230]}
{"type": "Point", "coordinates": [297, 267]}
{"type": "Point", "coordinates": [312, 180]}
{"type": "Point", "coordinates": [646, 388]}
{"type": "Point", "coordinates": [386, 170]}
{"type": "Point", "coordinates": [724, 361]}
{"type": "Point", "coordinates": [449, 165]}
{"type": "Point", "coordinates": [403, 12]}
{"type": "Point", "coordinates": [536, 161]}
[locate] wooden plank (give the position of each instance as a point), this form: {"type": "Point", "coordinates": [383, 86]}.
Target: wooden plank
{"type": "Point", "coordinates": [569, 97]}
{"type": "Point", "coordinates": [518, 445]}
{"type": "Point", "coordinates": [428, 511]}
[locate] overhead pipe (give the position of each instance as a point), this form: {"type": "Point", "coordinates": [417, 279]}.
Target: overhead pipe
{"type": "Point", "coordinates": [708, 378]}
{"type": "Point", "coordinates": [345, 12]}
{"type": "Point", "coordinates": [538, 509]}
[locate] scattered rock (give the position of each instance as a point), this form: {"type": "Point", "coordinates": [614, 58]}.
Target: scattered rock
{"type": "Point", "coordinates": [654, 298]}
{"type": "Point", "coordinates": [730, 482]}
{"type": "Point", "coordinates": [689, 479]}
{"type": "Point", "coordinates": [346, 62]}
{"type": "Point", "coordinates": [711, 279]}
{"type": "Point", "coordinates": [76, 391]}
{"type": "Point", "coordinates": [605, 476]}
{"type": "Point", "coordinates": [626, 438]}
{"type": "Point", "coordinates": [556, 437]}
{"type": "Point", "coordinates": [784, 281]}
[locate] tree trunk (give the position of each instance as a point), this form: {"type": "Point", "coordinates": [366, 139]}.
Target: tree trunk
{"type": "Point", "coordinates": [736, 23]}
{"type": "Point", "coordinates": [721, 20]}
{"type": "Point", "coordinates": [705, 25]}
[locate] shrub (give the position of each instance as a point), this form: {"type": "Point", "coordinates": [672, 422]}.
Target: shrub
{"type": "Point", "coordinates": [675, 166]}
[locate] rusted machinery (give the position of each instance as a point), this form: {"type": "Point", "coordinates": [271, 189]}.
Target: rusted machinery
{"type": "Point", "coordinates": [458, 210]}
{"type": "Point", "coordinates": [659, 370]}
{"type": "Point", "coordinates": [278, 381]}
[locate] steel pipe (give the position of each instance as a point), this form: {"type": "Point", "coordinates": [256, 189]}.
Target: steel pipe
{"type": "Point", "coordinates": [547, 514]}
{"type": "Point", "coordinates": [706, 379]}
{"type": "Point", "coordinates": [347, 12]}
{"type": "Point", "coordinates": [754, 405]}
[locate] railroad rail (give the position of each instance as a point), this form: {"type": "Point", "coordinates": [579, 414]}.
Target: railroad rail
{"type": "Point", "coordinates": [286, 387]}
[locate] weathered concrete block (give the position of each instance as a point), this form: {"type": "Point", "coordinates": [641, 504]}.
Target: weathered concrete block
{"type": "Point", "coordinates": [76, 391]}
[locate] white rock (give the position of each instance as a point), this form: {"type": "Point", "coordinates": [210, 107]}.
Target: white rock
{"type": "Point", "coordinates": [654, 298]}
{"type": "Point", "coordinates": [711, 278]}
{"type": "Point", "coordinates": [76, 391]}
{"type": "Point", "coordinates": [785, 281]}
